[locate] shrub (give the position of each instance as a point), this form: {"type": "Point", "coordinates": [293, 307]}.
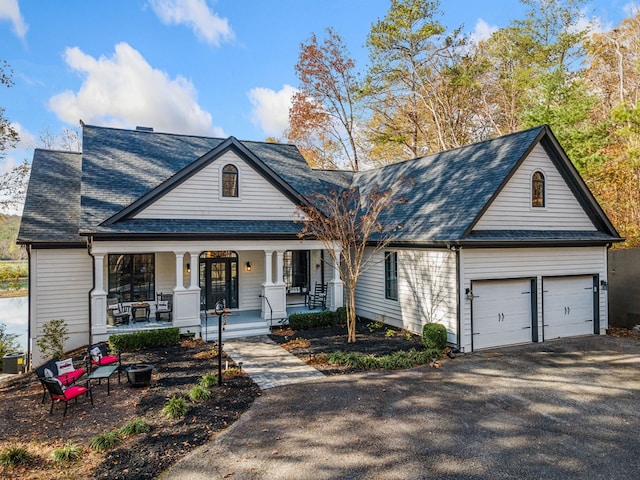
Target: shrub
{"type": "Point", "coordinates": [105, 440]}
{"type": "Point", "coordinates": [135, 427]}
{"type": "Point", "coordinates": [7, 341]}
{"type": "Point", "coordinates": [209, 380]}
{"type": "Point", "coordinates": [54, 335]}
{"type": "Point", "coordinates": [434, 336]}
{"type": "Point", "coordinates": [400, 359]}
{"type": "Point", "coordinates": [175, 408]}
{"type": "Point", "coordinates": [130, 342]}
{"type": "Point", "coordinates": [198, 393]}
{"type": "Point", "coordinates": [305, 321]}
{"type": "Point", "coordinates": [15, 455]}
{"type": "Point", "coordinates": [341, 315]}
{"type": "Point", "coordinates": [70, 452]}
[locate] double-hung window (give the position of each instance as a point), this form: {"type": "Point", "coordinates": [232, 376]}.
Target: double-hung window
{"type": "Point", "coordinates": [391, 275]}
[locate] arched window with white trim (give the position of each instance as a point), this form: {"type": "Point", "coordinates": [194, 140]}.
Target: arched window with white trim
{"type": "Point", "coordinates": [229, 181]}
{"type": "Point", "coordinates": [538, 189]}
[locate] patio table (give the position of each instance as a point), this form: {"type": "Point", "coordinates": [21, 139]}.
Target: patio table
{"type": "Point", "coordinates": [103, 372]}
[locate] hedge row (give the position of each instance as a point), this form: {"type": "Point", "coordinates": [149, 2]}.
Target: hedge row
{"type": "Point", "coordinates": [305, 321]}
{"type": "Point", "coordinates": [130, 342]}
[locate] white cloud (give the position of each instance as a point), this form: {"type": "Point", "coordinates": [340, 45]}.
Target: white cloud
{"type": "Point", "coordinates": [271, 109]}
{"type": "Point", "coordinates": [125, 91]}
{"type": "Point", "coordinates": [9, 10]}
{"type": "Point", "coordinates": [631, 9]}
{"type": "Point", "coordinates": [206, 25]}
{"type": "Point", "coordinates": [27, 139]}
{"type": "Point", "coordinates": [482, 31]}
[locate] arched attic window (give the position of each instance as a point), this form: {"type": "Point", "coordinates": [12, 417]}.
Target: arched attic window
{"type": "Point", "coordinates": [538, 189]}
{"type": "Point", "coordinates": [229, 181]}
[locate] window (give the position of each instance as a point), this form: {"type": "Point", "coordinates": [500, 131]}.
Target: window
{"type": "Point", "coordinates": [132, 277]}
{"type": "Point", "coordinates": [229, 181]}
{"type": "Point", "coordinates": [537, 190]}
{"type": "Point", "coordinates": [296, 270]}
{"type": "Point", "coordinates": [391, 275]}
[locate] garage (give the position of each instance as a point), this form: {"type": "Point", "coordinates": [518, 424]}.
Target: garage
{"type": "Point", "coordinates": [502, 312]}
{"type": "Point", "coordinates": [568, 306]}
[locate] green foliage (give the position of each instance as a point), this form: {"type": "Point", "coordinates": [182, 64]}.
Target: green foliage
{"type": "Point", "coordinates": [209, 380]}
{"type": "Point", "coordinates": [397, 360]}
{"type": "Point", "coordinates": [13, 275]}
{"type": "Point", "coordinates": [373, 326]}
{"type": "Point", "coordinates": [54, 334]}
{"type": "Point", "coordinates": [175, 408]}
{"type": "Point", "coordinates": [434, 336]}
{"type": "Point", "coordinates": [70, 452]}
{"type": "Point", "coordinates": [129, 342]}
{"type": "Point", "coordinates": [15, 455]}
{"type": "Point", "coordinates": [305, 321]}
{"type": "Point", "coordinates": [390, 332]}
{"type": "Point", "coordinates": [7, 341]}
{"type": "Point", "coordinates": [341, 314]}
{"type": "Point", "coordinates": [199, 393]}
{"type": "Point", "coordinates": [135, 427]}
{"type": "Point", "coordinates": [105, 440]}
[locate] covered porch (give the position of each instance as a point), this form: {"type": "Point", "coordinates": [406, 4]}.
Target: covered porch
{"type": "Point", "coordinates": [259, 285]}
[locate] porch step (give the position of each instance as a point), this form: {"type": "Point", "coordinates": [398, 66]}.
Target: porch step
{"type": "Point", "coordinates": [234, 330]}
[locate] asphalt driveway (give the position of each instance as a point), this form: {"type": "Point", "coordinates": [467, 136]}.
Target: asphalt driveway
{"type": "Point", "coordinates": [562, 409]}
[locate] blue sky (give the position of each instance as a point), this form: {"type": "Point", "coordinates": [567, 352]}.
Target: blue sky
{"type": "Point", "coordinates": [202, 67]}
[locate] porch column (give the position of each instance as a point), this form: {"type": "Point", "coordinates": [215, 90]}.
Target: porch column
{"type": "Point", "coordinates": [98, 297]}
{"type": "Point", "coordinates": [195, 271]}
{"type": "Point", "coordinates": [279, 268]}
{"type": "Point", "coordinates": [186, 301]}
{"type": "Point", "coordinates": [179, 270]}
{"type": "Point", "coordinates": [268, 266]}
{"type": "Point", "coordinates": [274, 301]}
{"type": "Point", "coordinates": [336, 286]}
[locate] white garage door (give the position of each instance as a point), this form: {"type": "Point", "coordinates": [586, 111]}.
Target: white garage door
{"type": "Point", "coordinates": [567, 306]}
{"type": "Point", "coordinates": [501, 312]}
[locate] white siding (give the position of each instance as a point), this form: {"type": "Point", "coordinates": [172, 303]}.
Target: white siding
{"type": "Point", "coordinates": [486, 264]}
{"type": "Point", "coordinates": [512, 209]}
{"type": "Point", "coordinates": [199, 197]}
{"type": "Point", "coordinates": [426, 291]}
{"type": "Point", "coordinates": [61, 281]}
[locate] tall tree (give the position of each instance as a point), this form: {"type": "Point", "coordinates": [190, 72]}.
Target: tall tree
{"type": "Point", "coordinates": [325, 115]}
{"type": "Point", "coordinates": [418, 83]}
{"type": "Point", "coordinates": [12, 182]}
{"type": "Point", "coordinates": [351, 220]}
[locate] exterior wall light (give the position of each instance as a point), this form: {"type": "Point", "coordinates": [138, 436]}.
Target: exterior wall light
{"type": "Point", "coordinates": [248, 266]}
{"type": "Point", "coordinates": [188, 268]}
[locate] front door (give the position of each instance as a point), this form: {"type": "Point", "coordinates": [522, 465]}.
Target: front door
{"type": "Point", "coordinates": [219, 278]}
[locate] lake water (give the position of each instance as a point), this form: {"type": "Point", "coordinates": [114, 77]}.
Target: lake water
{"type": "Point", "coordinates": [14, 315]}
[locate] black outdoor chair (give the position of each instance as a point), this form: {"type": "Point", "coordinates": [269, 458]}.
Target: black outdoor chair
{"type": "Point", "coordinates": [319, 296]}
{"type": "Point", "coordinates": [59, 393]}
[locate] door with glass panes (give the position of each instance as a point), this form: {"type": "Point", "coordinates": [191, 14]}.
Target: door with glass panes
{"type": "Point", "coordinates": [219, 278]}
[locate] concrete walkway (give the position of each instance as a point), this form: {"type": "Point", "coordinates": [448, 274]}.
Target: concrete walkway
{"type": "Point", "coordinates": [268, 364]}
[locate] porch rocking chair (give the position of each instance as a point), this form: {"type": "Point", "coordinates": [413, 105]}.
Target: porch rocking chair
{"type": "Point", "coordinates": [118, 312]}
{"type": "Point", "coordinates": [59, 393]}
{"type": "Point", "coordinates": [319, 296]}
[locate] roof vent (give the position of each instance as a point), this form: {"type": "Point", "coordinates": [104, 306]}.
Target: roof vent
{"type": "Point", "coordinates": [144, 129]}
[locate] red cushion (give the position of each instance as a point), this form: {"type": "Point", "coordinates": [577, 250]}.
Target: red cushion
{"type": "Point", "coordinates": [71, 377]}
{"type": "Point", "coordinates": [74, 391]}
{"type": "Point", "coordinates": [107, 360]}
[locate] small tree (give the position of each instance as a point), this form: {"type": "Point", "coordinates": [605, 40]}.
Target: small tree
{"type": "Point", "coordinates": [51, 344]}
{"type": "Point", "coordinates": [7, 341]}
{"type": "Point", "coordinates": [347, 222]}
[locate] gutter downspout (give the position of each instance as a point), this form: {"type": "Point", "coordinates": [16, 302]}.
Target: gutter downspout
{"type": "Point", "coordinates": [458, 298]}
{"type": "Point", "coordinates": [93, 287]}
{"type": "Point", "coordinates": [29, 308]}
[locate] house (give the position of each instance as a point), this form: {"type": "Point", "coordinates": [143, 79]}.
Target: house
{"type": "Point", "coordinates": [501, 241]}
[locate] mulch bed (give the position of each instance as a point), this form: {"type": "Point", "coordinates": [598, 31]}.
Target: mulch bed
{"type": "Point", "coordinates": [371, 339]}
{"type": "Point", "coordinates": [25, 420]}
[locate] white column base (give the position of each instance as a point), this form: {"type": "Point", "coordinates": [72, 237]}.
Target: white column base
{"type": "Point", "coordinates": [98, 313]}
{"type": "Point", "coordinates": [336, 294]}
{"type": "Point", "coordinates": [186, 309]}
{"type": "Point", "coordinates": [276, 297]}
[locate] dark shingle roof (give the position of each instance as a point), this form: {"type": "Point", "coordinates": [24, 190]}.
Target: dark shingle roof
{"type": "Point", "coordinates": [447, 190]}
{"type": "Point", "coordinates": [52, 206]}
